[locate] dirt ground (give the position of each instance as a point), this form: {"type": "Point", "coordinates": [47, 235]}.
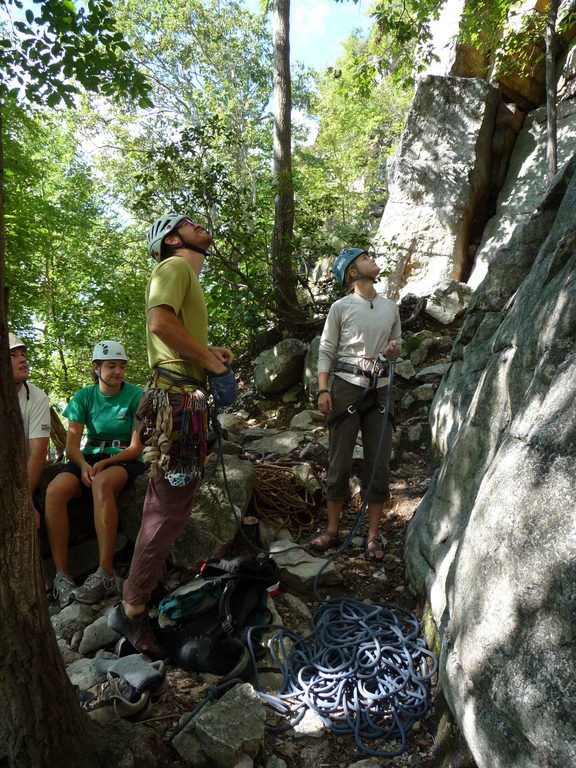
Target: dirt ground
{"type": "Point", "coordinates": [382, 583]}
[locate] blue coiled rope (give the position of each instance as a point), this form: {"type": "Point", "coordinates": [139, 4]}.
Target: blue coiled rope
{"type": "Point", "coordinates": [363, 669]}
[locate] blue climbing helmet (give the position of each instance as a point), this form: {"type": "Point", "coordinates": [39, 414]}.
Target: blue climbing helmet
{"type": "Point", "coordinates": [343, 262]}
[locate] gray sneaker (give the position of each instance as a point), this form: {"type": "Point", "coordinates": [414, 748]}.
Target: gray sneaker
{"type": "Point", "coordinates": [63, 589]}
{"type": "Point", "coordinates": [97, 587]}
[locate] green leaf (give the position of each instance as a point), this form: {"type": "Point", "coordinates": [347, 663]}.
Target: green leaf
{"type": "Point", "coordinates": [53, 99]}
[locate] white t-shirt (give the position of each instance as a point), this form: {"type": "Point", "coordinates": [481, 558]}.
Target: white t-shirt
{"type": "Point", "coordinates": [35, 409]}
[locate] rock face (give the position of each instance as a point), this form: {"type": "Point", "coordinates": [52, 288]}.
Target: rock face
{"type": "Point", "coordinates": [461, 157]}
{"type": "Point", "coordinates": [526, 172]}
{"type": "Point", "coordinates": [494, 542]}
{"type": "Point", "coordinates": [439, 185]}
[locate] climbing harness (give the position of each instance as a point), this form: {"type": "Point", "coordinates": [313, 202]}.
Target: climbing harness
{"type": "Point", "coordinates": [372, 369]}
{"type": "Point", "coordinates": [175, 380]}
{"type": "Point", "coordinates": [371, 373]}
{"type": "Point", "coordinates": [102, 444]}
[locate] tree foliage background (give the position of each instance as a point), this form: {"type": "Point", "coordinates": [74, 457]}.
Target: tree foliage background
{"type": "Point", "coordinates": [83, 183]}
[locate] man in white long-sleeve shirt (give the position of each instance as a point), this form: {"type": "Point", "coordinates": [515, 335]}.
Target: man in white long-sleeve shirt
{"type": "Point", "coordinates": [359, 328]}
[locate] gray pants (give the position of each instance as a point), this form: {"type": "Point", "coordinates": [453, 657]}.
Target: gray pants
{"type": "Point", "coordinates": [342, 438]}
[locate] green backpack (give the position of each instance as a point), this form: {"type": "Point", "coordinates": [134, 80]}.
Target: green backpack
{"type": "Point", "coordinates": [211, 615]}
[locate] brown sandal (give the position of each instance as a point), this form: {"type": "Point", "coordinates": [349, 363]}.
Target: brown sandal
{"type": "Point", "coordinates": [324, 541]}
{"type": "Point", "coordinates": [372, 554]}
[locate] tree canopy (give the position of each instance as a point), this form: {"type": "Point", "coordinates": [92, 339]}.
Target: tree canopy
{"type": "Point", "coordinates": [204, 147]}
{"type": "Point", "coordinates": [52, 49]}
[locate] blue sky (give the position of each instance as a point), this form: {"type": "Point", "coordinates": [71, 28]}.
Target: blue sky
{"type": "Point", "coordinates": [318, 27]}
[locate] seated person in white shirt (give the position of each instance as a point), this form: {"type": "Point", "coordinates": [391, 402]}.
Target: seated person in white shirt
{"type": "Point", "coordinates": [35, 408]}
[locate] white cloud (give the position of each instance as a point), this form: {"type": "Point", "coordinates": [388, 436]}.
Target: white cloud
{"type": "Point", "coordinates": [319, 27]}
{"type": "Point", "coordinates": [309, 20]}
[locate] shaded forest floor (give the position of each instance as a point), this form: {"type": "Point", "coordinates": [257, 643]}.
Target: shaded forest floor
{"type": "Point", "coordinates": [383, 583]}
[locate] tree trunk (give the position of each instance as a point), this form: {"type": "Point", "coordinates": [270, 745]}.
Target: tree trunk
{"type": "Point", "coordinates": [282, 270]}
{"type": "Point", "coordinates": [551, 92]}
{"type": "Point", "coordinates": [40, 716]}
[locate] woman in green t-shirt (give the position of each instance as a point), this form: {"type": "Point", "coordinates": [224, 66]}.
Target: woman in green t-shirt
{"type": "Point", "coordinates": [102, 467]}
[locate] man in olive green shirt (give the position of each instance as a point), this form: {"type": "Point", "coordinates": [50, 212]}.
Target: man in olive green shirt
{"type": "Point", "coordinates": [180, 357]}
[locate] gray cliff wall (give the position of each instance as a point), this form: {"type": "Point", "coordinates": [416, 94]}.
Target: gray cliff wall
{"type": "Point", "coordinates": [493, 542]}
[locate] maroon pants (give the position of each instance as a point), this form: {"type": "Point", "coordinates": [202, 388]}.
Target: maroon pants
{"type": "Point", "coordinates": [165, 514]}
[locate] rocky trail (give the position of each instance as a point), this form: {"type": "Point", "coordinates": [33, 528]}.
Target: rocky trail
{"type": "Point", "coordinates": [380, 583]}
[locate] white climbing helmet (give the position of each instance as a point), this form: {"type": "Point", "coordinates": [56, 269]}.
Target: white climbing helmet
{"type": "Point", "coordinates": [109, 350]}
{"type": "Point", "coordinates": [15, 342]}
{"type": "Point", "coordinates": [158, 231]}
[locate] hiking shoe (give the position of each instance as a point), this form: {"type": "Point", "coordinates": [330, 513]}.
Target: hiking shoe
{"type": "Point", "coordinates": [114, 699]}
{"type": "Point", "coordinates": [63, 589]}
{"type": "Point", "coordinates": [142, 633]}
{"type": "Point", "coordinates": [97, 587]}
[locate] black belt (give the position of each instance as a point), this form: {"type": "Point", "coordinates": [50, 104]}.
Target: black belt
{"type": "Point", "coordinates": [378, 372]}
{"type": "Point", "coordinates": [106, 443]}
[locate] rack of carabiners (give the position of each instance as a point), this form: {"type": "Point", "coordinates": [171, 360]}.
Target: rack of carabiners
{"type": "Point", "coordinates": [187, 462]}
{"type": "Point", "coordinates": [178, 455]}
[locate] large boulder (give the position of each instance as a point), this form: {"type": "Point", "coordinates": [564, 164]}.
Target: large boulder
{"type": "Point", "coordinates": [279, 368]}
{"type": "Point", "coordinates": [439, 186]}
{"type": "Point", "coordinates": [493, 542]}
{"type": "Point", "coordinates": [310, 372]}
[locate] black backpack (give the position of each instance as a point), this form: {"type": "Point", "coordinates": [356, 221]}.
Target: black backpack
{"type": "Point", "coordinates": [212, 613]}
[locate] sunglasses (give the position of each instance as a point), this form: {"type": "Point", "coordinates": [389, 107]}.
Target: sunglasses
{"type": "Point", "coordinates": [182, 222]}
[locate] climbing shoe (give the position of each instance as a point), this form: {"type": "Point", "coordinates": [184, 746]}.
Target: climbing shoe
{"type": "Point", "coordinates": [97, 587]}
{"type": "Point", "coordinates": [142, 633]}
{"type": "Point", "coordinates": [137, 670]}
{"type": "Point", "coordinates": [64, 587]}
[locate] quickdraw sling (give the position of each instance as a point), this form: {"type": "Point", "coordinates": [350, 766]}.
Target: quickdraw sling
{"type": "Point", "coordinates": [179, 456]}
